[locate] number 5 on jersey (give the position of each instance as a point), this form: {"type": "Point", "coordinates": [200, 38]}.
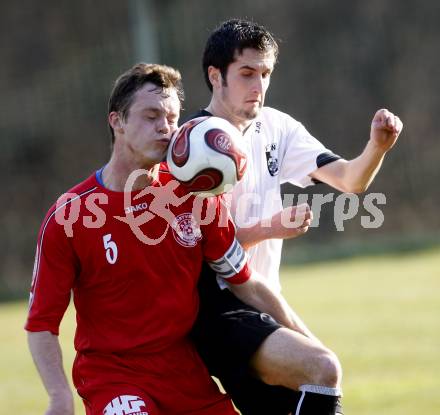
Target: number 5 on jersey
{"type": "Point", "coordinates": [111, 249]}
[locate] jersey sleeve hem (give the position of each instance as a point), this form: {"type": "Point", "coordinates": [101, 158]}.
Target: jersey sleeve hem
{"type": "Point", "coordinates": [34, 328]}
{"type": "Point", "coordinates": [240, 278]}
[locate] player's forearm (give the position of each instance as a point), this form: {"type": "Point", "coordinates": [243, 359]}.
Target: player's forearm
{"type": "Point", "coordinates": [290, 222]}
{"type": "Point", "coordinates": [362, 170]}
{"type": "Point", "coordinates": [353, 176]}
{"type": "Point", "coordinates": [46, 352]}
{"type": "Point", "coordinates": [252, 235]}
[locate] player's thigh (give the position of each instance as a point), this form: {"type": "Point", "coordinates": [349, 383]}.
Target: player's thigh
{"type": "Point", "coordinates": [227, 341]}
{"type": "Point", "coordinates": [288, 358]}
{"type": "Point", "coordinates": [118, 399]}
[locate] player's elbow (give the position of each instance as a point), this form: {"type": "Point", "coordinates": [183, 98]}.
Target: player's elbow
{"type": "Point", "coordinates": [356, 188]}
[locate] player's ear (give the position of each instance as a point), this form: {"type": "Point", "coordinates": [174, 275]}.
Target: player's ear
{"type": "Point", "coordinates": [115, 121]}
{"type": "Point", "coordinates": [215, 76]}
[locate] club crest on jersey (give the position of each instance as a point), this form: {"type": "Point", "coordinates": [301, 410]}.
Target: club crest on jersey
{"type": "Point", "coordinates": [186, 231]}
{"type": "Point", "coordinates": [272, 159]}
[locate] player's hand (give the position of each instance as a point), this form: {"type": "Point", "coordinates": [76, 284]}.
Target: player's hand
{"type": "Point", "coordinates": [291, 222]}
{"type": "Point", "coordinates": [61, 404]}
{"type": "Point", "coordinates": [385, 129]}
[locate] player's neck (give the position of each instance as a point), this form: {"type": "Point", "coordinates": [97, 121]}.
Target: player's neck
{"type": "Point", "coordinates": [218, 110]}
{"type": "Point", "coordinates": [121, 175]}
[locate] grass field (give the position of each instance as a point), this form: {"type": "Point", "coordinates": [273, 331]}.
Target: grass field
{"type": "Point", "coordinates": [380, 314]}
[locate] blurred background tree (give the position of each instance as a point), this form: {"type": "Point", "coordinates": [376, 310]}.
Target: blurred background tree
{"type": "Point", "coordinates": [339, 62]}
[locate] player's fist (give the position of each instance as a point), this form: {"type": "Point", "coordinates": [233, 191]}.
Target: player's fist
{"type": "Point", "coordinates": [385, 129]}
{"type": "Point", "coordinates": [291, 222]}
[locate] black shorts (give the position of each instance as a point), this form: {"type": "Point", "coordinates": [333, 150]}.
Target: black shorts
{"type": "Point", "coordinates": [227, 333]}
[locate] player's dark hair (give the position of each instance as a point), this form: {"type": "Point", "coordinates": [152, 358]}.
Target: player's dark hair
{"type": "Point", "coordinates": [134, 79]}
{"type": "Point", "coordinates": [233, 36]}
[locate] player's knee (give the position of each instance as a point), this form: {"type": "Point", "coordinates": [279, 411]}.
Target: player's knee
{"type": "Point", "coordinates": [328, 370]}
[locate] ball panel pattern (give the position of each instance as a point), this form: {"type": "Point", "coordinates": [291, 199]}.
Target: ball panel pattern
{"type": "Point", "coordinates": [180, 147]}
{"type": "Point", "coordinates": [220, 141]}
{"type": "Point", "coordinates": [205, 180]}
{"type": "Point", "coordinates": [206, 156]}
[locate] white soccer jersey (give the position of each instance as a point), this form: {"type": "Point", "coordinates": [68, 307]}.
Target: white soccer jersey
{"type": "Point", "coordinates": [279, 150]}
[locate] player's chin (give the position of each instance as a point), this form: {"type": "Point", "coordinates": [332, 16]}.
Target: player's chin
{"type": "Point", "coordinates": [157, 156]}
{"type": "Point", "coordinates": [251, 113]}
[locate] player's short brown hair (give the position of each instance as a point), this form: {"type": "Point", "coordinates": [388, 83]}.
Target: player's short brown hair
{"type": "Point", "coordinates": [129, 82]}
{"type": "Point", "coordinates": [233, 36]}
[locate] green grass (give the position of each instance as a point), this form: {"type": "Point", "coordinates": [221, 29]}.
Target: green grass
{"type": "Point", "coordinates": [381, 315]}
{"type": "Point", "coordinates": [21, 390]}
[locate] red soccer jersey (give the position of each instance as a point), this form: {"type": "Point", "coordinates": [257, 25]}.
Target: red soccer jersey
{"type": "Point", "coordinates": [134, 287]}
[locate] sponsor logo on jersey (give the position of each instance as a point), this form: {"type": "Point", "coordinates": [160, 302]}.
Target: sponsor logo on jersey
{"type": "Point", "coordinates": [140, 206]}
{"type": "Point", "coordinates": [272, 159]}
{"type": "Point", "coordinates": [258, 127]}
{"type": "Point", "coordinates": [126, 405]}
{"type": "Point", "coordinates": [186, 231]}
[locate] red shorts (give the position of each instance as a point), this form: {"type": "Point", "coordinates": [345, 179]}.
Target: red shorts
{"type": "Point", "coordinates": [171, 382]}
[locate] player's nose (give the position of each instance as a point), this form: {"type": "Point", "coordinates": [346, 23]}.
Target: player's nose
{"type": "Point", "coordinates": [258, 85]}
{"type": "Point", "coordinates": [163, 126]}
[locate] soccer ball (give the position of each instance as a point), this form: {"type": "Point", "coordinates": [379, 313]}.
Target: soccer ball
{"type": "Point", "coordinates": [205, 155]}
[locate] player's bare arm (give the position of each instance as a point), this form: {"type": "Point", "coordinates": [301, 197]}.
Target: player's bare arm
{"type": "Point", "coordinates": [291, 222]}
{"type": "Point", "coordinates": [257, 293]}
{"type": "Point", "coordinates": [356, 175]}
{"type": "Point", "coordinates": [46, 352]}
